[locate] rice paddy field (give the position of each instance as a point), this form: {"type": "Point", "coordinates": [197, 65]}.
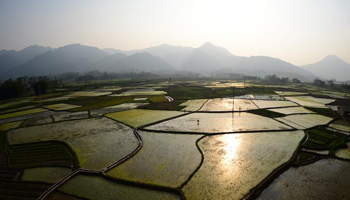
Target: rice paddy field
{"type": "Point", "coordinates": [123, 139]}
{"type": "Point", "coordinates": [305, 120]}
{"type": "Point", "coordinates": [110, 109]}
{"type": "Point", "coordinates": [225, 104]}
{"type": "Point", "coordinates": [61, 106]}
{"type": "Point", "coordinates": [140, 117]}
{"type": "Point", "coordinates": [166, 159]}
{"type": "Point", "coordinates": [193, 105]}
{"type": "Point", "coordinates": [93, 140]}
{"type": "Point", "coordinates": [310, 101]}
{"type": "Point", "coordinates": [97, 187]}
{"type": "Point", "coordinates": [300, 183]}
{"type": "Point", "coordinates": [219, 123]}
{"type": "Point", "coordinates": [292, 110]}
{"type": "Point", "coordinates": [234, 164]}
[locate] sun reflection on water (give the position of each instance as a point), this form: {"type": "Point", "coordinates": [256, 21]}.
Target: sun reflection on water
{"type": "Point", "coordinates": [230, 147]}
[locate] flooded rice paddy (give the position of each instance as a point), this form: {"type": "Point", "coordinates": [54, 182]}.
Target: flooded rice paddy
{"type": "Point", "coordinates": [140, 117]}
{"type": "Point", "coordinates": [110, 109]}
{"type": "Point", "coordinates": [165, 159]}
{"type": "Point", "coordinates": [71, 116]}
{"type": "Point", "coordinates": [37, 121]}
{"type": "Point", "coordinates": [272, 104]}
{"type": "Point", "coordinates": [96, 187]}
{"type": "Point", "coordinates": [292, 110]}
{"type": "Point", "coordinates": [61, 106]}
{"type": "Point", "coordinates": [219, 123]}
{"type": "Point", "coordinates": [235, 163]}
{"type": "Point", "coordinates": [225, 104]}
{"type": "Point", "coordinates": [45, 174]}
{"type": "Point", "coordinates": [325, 179]}
{"type": "Point", "coordinates": [344, 153]}
{"type": "Point", "coordinates": [310, 101]}
{"type": "Point", "coordinates": [261, 97]}
{"type": "Point", "coordinates": [305, 121]}
{"type": "Point", "coordinates": [98, 142]}
{"type": "Point", "coordinates": [193, 105]}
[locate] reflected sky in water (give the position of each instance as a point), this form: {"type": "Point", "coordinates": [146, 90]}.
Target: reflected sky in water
{"type": "Point", "coordinates": [234, 163]}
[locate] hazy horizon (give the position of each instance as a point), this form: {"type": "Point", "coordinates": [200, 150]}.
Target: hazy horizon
{"type": "Point", "coordinates": [299, 32]}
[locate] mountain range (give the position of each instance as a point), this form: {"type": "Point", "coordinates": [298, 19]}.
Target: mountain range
{"type": "Point", "coordinates": [331, 67]}
{"type": "Point", "coordinates": [207, 59]}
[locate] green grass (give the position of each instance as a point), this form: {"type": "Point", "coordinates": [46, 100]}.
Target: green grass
{"type": "Point", "coordinates": [39, 154]}
{"type": "Point", "coordinates": [267, 113]}
{"type": "Point", "coordinates": [323, 139]}
{"type": "Point", "coordinates": [323, 111]}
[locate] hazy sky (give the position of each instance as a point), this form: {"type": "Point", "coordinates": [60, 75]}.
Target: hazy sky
{"type": "Point", "coordinates": [297, 31]}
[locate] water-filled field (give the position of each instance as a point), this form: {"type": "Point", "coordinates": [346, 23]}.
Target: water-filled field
{"type": "Point", "coordinates": [292, 110]}
{"type": "Point", "coordinates": [344, 153]}
{"type": "Point", "coordinates": [61, 106]}
{"type": "Point", "coordinates": [225, 104]}
{"type": "Point", "coordinates": [110, 109]}
{"type": "Point", "coordinates": [272, 104]}
{"type": "Point", "coordinates": [45, 174]}
{"type": "Point", "coordinates": [97, 187]}
{"type": "Point", "coordinates": [93, 140]}
{"type": "Point", "coordinates": [305, 120]}
{"type": "Point", "coordinates": [218, 123]}
{"type": "Point", "coordinates": [193, 105]}
{"type": "Point", "coordinates": [325, 179]}
{"type": "Point", "coordinates": [310, 101]}
{"type": "Point", "coordinates": [71, 116]}
{"type": "Point", "coordinates": [139, 117]}
{"type": "Point", "coordinates": [165, 159]}
{"type": "Point", "coordinates": [235, 163]}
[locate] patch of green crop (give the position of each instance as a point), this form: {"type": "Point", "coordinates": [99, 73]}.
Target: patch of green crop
{"type": "Point", "coordinates": [39, 154]}
{"type": "Point", "coordinates": [258, 90]}
{"type": "Point", "coordinates": [338, 144]}
{"type": "Point", "coordinates": [321, 138]}
{"type": "Point", "coordinates": [322, 111]}
{"type": "Point", "coordinates": [267, 113]}
{"type": "Point", "coordinates": [304, 158]}
{"type": "Point", "coordinates": [158, 99]}
{"type": "Point", "coordinates": [174, 105]}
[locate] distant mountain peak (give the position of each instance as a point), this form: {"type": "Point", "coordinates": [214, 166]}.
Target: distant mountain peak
{"type": "Point", "coordinates": [213, 50]}
{"type": "Point", "coordinates": [332, 57]}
